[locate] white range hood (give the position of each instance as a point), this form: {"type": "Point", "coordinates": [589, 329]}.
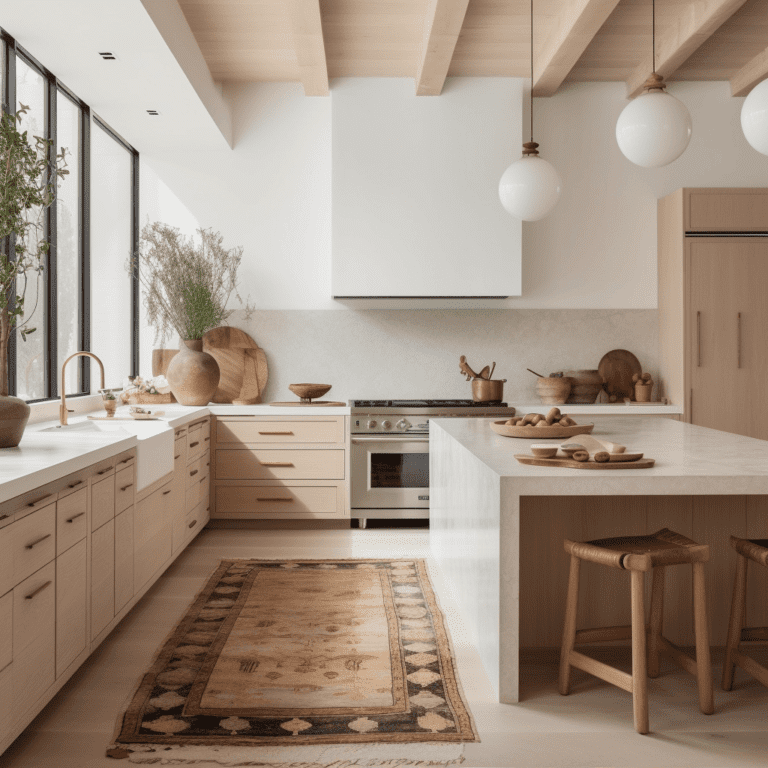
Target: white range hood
{"type": "Point", "coordinates": [416, 210]}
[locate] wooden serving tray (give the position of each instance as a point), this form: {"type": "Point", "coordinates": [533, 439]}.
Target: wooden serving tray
{"type": "Point", "coordinates": [542, 433]}
{"type": "Point", "coordinates": [535, 461]}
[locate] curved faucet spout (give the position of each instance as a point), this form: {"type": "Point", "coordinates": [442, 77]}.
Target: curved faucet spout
{"type": "Point", "coordinates": [63, 407]}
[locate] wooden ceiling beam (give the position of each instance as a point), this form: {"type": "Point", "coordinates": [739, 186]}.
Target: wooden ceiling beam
{"type": "Point", "coordinates": [694, 24]}
{"type": "Point", "coordinates": [578, 22]}
{"type": "Point", "coordinates": [307, 28]}
{"type": "Point", "coordinates": [752, 73]}
{"type": "Point", "coordinates": [443, 25]}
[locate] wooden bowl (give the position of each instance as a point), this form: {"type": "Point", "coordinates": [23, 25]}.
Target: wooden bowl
{"type": "Point", "coordinates": [554, 390]}
{"type": "Point", "coordinates": [309, 392]}
{"type": "Point", "coordinates": [544, 451]}
{"type": "Point", "coordinates": [540, 433]}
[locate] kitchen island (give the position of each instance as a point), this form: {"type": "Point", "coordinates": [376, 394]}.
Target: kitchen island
{"type": "Point", "coordinates": [497, 529]}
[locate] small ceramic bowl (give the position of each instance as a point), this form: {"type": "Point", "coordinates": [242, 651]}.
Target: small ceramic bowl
{"type": "Point", "coordinates": [570, 448]}
{"type": "Point", "coordinates": [544, 451]}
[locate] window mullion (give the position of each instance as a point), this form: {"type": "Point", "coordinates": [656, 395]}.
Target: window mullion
{"type": "Point", "coordinates": [51, 216]}
{"type": "Point", "coordinates": [85, 247]}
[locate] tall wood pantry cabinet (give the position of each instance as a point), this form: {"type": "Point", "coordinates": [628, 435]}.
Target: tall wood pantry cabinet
{"type": "Point", "coordinates": [713, 307]}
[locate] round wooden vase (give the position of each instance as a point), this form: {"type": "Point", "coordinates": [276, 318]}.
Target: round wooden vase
{"type": "Point", "coordinates": [193, 375]}
{"type": "Point", "coordinates": [586, 386]}
{"type": "Point", "coordinates": [14, 414]}
{"type": "Point", "coordinates": [553, 390]}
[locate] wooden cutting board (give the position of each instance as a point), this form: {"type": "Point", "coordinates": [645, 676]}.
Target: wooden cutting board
{"type": "Point", "coordinates": [242, 363]}
{"type": "Point", "coordinates": [572, 464]}
{"type": "Point", "coordinates": [617, 368]}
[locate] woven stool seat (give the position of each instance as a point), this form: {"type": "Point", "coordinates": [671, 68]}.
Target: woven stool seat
{"type": "Point", "coordinates": [755, 550]}
{"type": "Point", "coordinates": [639, 554]}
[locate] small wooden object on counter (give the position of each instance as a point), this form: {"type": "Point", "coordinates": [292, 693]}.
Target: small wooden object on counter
{"type": "Point", "coordinates": [553, 390]}
{"type": "Point", "coordinates": [486, 391]}
{"type": "Point", "coordinates": [638, 555]}
{"type": "Point", "coordinates": [309, 392]}
{"type": "Point", "coordinates": [544, 451]}
{"type": "Point", "coordinates": [527, 430]}
{"type": "Point", "coordinates": [242, 363]}
{"type": "Point", "coordinates": [580, 460]}
{"type": "Point", "coordinates": [580, 455]}
{"type": "Point", "coordinates": [643, 387]}
{"type": "Point", "coordinates": [586, 386]}
{"type": "Point", "coordinates": [755, 550]}
{"type": "Point", "coordinates": [617, 368]}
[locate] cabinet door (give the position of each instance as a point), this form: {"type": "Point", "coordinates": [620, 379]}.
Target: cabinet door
{"type": "Point", "coordinates": [71, 605]}
{"type": "Point", "coordinates": [102, 577]}
{"type": "Point", "coordinates": [34, 638]}
{"type": "Point", "coordinates": [102, 502]}
{"type": "Point", "coordinates": [152, 536]}
{"type": "Point", "coordinates": [123, 559]}
{"type": "Point", "coordinates": [728, 320]}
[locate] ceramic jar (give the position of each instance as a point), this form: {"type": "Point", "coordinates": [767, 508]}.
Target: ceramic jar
{"type": "Point", "coordinates": [586, 386]}
{"type": "Point", "coordinates": [193, 375]}
{"type": "Point", "coordinates": [14, 414]}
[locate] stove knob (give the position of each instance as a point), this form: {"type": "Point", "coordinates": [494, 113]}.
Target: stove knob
{"type": "Point", "coordinates": [386, 424]}
{"type": "Point", "coordinates": [403, 424]}
{"type": "Point", "coordinates": [372, 424]}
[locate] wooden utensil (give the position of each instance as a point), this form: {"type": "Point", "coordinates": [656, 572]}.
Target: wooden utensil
{"type": "Point", "coordinates": [242, 363]}
{"type": "Point", "coordinates": [535, 374]}
{"type": "Point", "coordinates": [485, 373]}
{"type": "Point", "coordinates": [617, 368]}
{"type": "Point", "coordinates": [540, 433]}
{"type": "Point", "coordinates": [571, 464]}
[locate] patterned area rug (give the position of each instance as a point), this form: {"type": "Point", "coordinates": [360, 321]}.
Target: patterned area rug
{"type": "Point", "coordinates": [310, 662]}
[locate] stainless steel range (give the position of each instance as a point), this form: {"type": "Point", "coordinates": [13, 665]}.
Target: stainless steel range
{"type": "Point", "coordinates": [390, 452]}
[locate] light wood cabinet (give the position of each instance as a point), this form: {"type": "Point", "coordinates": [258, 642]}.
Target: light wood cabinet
{"type": "Point", "coordinates": [71, 520]}
{"type": "Point", "coordinates": [6, 702]}
{"type": "Point", "coordinates": [6, 629]}
{"type": "Point", "coordinates": [123, 558]}
{"type": "Point", "coordinates": [152, 536]}
{"type": "Point", "coordinates": [71, 605]}
{"type": "Point", "coordinates": [34, 638]}
{"type": "Point", "coordinates": [102, 577]}
{"type": "Point", "coordinates": [712, 308]}
{"type": "Point", "coordinates": [307, 430]}
{"type": "Point", "coordinates": [102, 502]}
{"type": "Point", "coordinates": [34, 542]}
{"type": "Point", "coordinates": [282, 464]}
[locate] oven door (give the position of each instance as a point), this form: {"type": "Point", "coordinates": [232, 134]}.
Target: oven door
{"type": "Point", "coordinates": [390, 472]}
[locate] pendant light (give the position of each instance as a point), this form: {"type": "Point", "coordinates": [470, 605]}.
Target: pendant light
{"type": "Point", "coordinates": [654, 129]}
{"type": "Point", "coordinates": [754, 117]}
{"type": "Point", "coordinates": [530, 187]}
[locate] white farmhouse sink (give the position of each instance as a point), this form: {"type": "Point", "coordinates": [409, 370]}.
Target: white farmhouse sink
{"type": "Point", "coordinates": [154, 453]}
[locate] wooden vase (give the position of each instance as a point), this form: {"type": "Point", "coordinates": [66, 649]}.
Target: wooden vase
{"type": "Point", "coordinates": [14, 414]}
{"type": "Point", "coordinates": [193, 375]}
{"type": "Point", "coordinates": [586, 386]}
{"type": "Point", "coordinates": [554, 390]}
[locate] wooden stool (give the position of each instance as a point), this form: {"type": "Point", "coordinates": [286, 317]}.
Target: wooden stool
{"type": "Point", "coordinates": [638, 554]}
{"type": "Point", "coordinates": [757, 551]}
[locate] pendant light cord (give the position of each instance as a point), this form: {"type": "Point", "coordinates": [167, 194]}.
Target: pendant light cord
{"type": "Point", "coordinates": [531, 108]}
{"type": "Point", "coordinates": [653, 34]}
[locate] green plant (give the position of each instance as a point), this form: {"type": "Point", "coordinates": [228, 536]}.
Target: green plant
{"type": "Point", "coordinates": [28, 182]}
{"type": "Point", "coordinates": [187, 282]}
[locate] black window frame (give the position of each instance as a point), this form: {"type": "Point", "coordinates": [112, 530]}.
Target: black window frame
{"type": "Point", "coordinates": [52, 364]}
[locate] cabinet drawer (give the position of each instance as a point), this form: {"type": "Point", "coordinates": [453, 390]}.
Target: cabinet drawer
{"type": "Point", "coordinates": [277, 499]}
{"type": "Point", "coordinates": [34, 542]}
{"type": "Point", "coordinates": [34, 638]}
{"type": "Point", "coordinates": [192, 474]}
{"type": "Point", "coordinates": [196, 444]}
{"type": "Point", "coordinates": [125, 489]}
{"type": "Point", "coordinates": [286, 431]}
{"type": "Point", "coordinates": [195, 520]}
{"type": "Point", "coordinates": [256, 464]}
{"type": "Point", "coordinates": [740, 210]}
{"type": "Point", "coordinates": [71, 520]}
{"type": "Point", "coordinates": [102, 501]}
{"type": "Point", "coordinates": [6, 630]}
{"type": "Point", "coordinates": [71, 605]}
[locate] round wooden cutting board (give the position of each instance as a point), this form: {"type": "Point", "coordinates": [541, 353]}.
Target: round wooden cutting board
{"type": "Point", "coordinates": [242, 363]}
{"type": "Point", "coordinates": [617, 368]}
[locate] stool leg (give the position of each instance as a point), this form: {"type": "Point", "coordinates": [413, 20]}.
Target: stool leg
{"type": "Point", "coordinates": [736, 621]}
{"type": "Point", "coordinates": [569, 630]}
{"type": "Point", "coordinates": [656, 622]}
{"type": "Point", "coordinates": [639, 682]}
{"type": "Point", "coordinates": [701, 630]}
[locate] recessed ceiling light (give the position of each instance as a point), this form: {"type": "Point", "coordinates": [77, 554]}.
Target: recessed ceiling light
{"type": "Point", "coordinates": [107, 55]}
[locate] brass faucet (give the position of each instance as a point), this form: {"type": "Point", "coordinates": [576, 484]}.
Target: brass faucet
{"type": "Point", "coordinates": [63, 407]}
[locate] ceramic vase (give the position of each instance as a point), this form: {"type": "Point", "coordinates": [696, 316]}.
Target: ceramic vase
{"type": "Point", "coordinates": [193, 375]}
{"type": "Point", "coordinates": [14, 414]}
{"type": "Point", "coordinates": [586, 386]}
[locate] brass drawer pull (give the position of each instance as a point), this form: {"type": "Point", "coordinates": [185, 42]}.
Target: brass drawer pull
{"type": "Point", "coordinates": [38, 590]}
{"type": "Point", "coordinates": [74, 485]}
{"type": "Point", "coordinates": [274, 498]}
{"type": "Point", "coordinates": [276, 463]}
{"type": "Point", "coordinates": [37, 541]}
{"type": "Point", "coordinates": [192, 524]}
{"type": "Point", "coordinates": [126, 487]}
{"type": "Point", "coordinates": [74, 517]}
{"type": "Point", "coordinates": [125, 461]}
{"type": "Point", "coordinates": [42, 498]}
{"type": "Point", "coordinates": [2, 517]}
{"type": "Point", "coordinates": [165, 493]}
{"type": "Point", "coordinates": [107, 469]}
{"type": "Point", "coordinates": [177, 456]}
{"type": "Point", "coordinates": [207, 439]}
{"type": "Point", "coordinates": [192, 445]}
{"type": "Point", "coordinates": [193, 472]}
{"type": "Point", "coordinates": [276, 433]}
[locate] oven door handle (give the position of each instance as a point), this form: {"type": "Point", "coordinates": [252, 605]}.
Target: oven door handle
{"type": "Point", "coordinates": [391, 439]}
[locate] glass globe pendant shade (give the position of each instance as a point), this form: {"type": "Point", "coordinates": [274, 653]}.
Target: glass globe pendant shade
{"type": "Point", "coordinates": [530, 187]}
{"type": "Point", "coordinates": [654, 129]}
{"type": "Point", "coordinates": [754, 117]}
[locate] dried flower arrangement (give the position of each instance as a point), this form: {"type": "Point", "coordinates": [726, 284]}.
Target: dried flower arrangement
{"type": "Point", "coordinates": [188, 282]}
{"type": "Point", "coordinates": [140, 390]}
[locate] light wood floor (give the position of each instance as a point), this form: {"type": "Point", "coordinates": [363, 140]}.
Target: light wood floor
{"type": "Point", "coordinates": [592, 727]}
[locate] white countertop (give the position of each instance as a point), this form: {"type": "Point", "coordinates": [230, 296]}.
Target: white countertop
{"type": "Point", "coordinates": [689, 459]}
{"type": "Point", "coordinates": [43, 457]}
{"type": "Point", "coordinates": [595, 409]}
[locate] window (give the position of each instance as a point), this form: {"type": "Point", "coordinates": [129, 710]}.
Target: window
{"type": "Point", "coordinates": [79, 303]}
